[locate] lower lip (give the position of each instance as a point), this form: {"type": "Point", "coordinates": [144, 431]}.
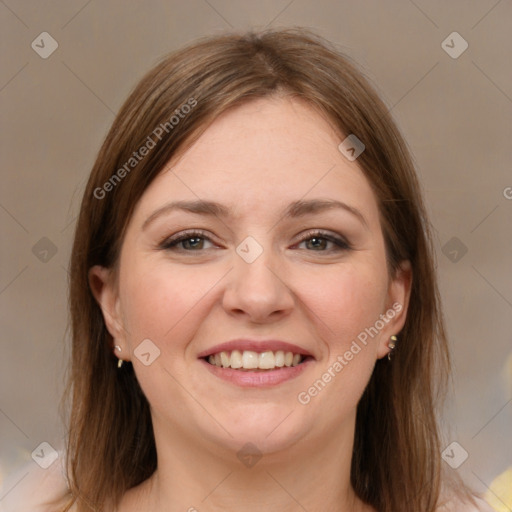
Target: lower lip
{"type": "Point", "coordinates": [257, 379]}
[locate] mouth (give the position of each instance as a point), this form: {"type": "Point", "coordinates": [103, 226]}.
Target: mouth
{"type": "Point", "coordinates": [256, 363]}
{"type": "Point", "coordinates": [252, 361]}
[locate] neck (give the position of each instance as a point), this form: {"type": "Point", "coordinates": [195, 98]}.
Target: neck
{"type": "Point", "coordinates": [195, 477]}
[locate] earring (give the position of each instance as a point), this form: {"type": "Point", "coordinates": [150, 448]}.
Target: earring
{"type": "Point", "coordinates": [119, 361]}
{"type": "Point", "coordinates": [391, 345]}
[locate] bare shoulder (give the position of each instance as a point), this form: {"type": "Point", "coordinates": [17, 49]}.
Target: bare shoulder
{"type": "Point", "coordinates": [456, 504]}
{"type": "Point", "coordinates": [34, 488]}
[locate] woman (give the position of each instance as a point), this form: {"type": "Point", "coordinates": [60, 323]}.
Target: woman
{"type": "Point", "coordinates": [256, 320]}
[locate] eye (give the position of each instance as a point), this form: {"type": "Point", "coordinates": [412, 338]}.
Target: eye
{"type": "Point", "coordinates": [196, 241]}
{"type": "Point", "coordinates": [189, 241]}
{"type": "Point", "coordinates": [319, 241]}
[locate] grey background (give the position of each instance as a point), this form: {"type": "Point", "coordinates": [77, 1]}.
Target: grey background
{"type": "Point", "coordinates": [456, 115]}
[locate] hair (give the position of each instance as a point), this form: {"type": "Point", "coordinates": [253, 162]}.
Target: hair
{"type": "Point", "coordinates": [396, 460]}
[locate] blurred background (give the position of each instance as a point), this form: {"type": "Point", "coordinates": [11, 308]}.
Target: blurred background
{"type": "Point", "coordinates": [443, 68]}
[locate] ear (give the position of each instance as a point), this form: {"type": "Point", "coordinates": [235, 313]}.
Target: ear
{"type": "Point", "coordinates": [397, 304]}
{"type": "Point", "coordinates": [103, 286]}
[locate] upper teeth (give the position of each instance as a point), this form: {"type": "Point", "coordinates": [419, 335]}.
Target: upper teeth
{"type": "Point", "coordinates": [249, 360]}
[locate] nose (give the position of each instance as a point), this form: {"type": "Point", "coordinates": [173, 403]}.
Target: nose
{"type": "Point", "coordinates": [258, 290]}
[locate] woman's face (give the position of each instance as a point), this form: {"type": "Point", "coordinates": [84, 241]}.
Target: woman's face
{"type": "Point", "coordinates": [275, 262]}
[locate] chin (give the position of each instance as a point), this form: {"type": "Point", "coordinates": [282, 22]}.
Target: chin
{"type": "Point", "coordinates": [271, 429]}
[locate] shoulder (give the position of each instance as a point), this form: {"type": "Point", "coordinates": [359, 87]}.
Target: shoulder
{"type": "Point", "coordinates": [34, 488]}
{"type": "Point", "coordinates": [456, 504]}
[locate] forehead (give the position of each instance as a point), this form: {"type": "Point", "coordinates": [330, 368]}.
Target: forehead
{"type": "Point", "coordinates": [261, 156]}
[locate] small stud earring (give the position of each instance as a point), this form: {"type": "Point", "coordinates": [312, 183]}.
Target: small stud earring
{"type": "Point", "coordinates": [391, 345]}
{"type": "Point", "coordinates": [119, 361]}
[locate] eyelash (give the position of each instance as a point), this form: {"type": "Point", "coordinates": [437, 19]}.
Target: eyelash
{"type": "Point", "coordinates": [172, 242]}
{"type": "Point", "coordinates": [340, 243]}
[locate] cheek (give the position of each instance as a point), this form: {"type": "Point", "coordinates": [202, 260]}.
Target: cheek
{"type": "Point", "coordinates": [344, 301]}
{"type": "Point", "coordinates": [161, 303]}
{"type": "Point", "coordinates": [347, 304]}
{"type": "Point", "coordinates": [166, 306]}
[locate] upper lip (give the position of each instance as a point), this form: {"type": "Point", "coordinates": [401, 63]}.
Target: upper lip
{"type": "Point", "coordinates": [256, 346]}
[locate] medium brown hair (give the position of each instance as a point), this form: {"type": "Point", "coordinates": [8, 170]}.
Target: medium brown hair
{"type": "Point", "coordinates": [396, 464]}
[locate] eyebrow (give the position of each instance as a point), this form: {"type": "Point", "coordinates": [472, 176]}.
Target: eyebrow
{"type": "Point", "coordinates": [296, 209]}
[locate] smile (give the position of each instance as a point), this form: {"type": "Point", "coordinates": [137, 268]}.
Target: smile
{"type": "Point", "coordinates": [248, 360]}
{"type": "Point", "coordinates": [256, 363]}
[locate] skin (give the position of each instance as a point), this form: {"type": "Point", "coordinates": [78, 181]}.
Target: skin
{"type": "Point", "coordinates": [255, 159]}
